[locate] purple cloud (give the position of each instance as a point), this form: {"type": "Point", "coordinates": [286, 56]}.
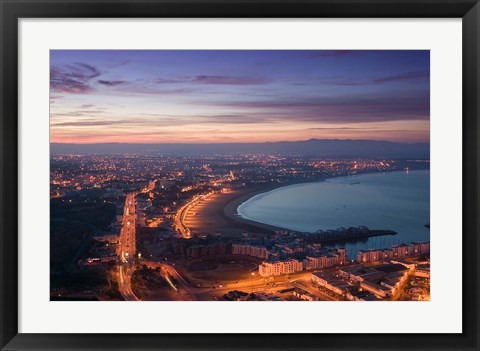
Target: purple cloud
{"type": "Point", "coordinates": [169, 81]}
{"type": "Point", "coordinates": [73, 78]}
{"type": "Point", "coordinates": [230, 80]}
{"type": "Point", "coordinates": [93, 123]}
{"type": "Point", "coordinates": [216, 80]}
{"type": "Point", "coordinates": [418, 75]}
{"type": "Point", "coordinates": [79, 113]}
{"type": "Point", "coordinates": [239, 118]}
{"type": "Point", "coordinates": [344, 82]}
{"type": "Point", "coordinates": [342, 109]}
{"type": "Point", "coordinates": [111, 83]}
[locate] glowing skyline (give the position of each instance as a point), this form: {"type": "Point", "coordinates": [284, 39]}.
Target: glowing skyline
{"type": "Point", "coordinates": [238, 96]}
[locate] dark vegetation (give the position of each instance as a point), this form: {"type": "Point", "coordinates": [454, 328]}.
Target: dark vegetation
{"type": "Point", "coordinates": [99, 215]}
{"type": "Point", "coordinates": [65, 239]}
{"type": "Point", "coordinates": [72, 225]}
{"type": "Point", "coordinates": [85, 278]}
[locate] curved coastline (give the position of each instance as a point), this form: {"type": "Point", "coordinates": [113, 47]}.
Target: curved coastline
{"type": "Point", "coordinates": [230, 211]}
{"type": "Point", "coordinates": [233, 207]}
{"type": "Point", "coordinates": [220, 214]}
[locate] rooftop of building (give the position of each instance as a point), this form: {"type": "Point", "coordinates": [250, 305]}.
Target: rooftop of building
{"type": "Point", "coordinates": [390, 267]}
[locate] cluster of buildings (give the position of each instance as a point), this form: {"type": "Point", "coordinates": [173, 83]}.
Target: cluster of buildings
{"type": "Point", "coordinates": [249, 250]}
{"type": "Point", "coordinates": [320, 260]}
{"type": "Point", "coordinates": [382, 281]}
{"type": "Point", "coordinates": [395, 252]}
{"type": "Point", "coordinates": [325, 259]}
{"type": "Point", "coordinates": [352, 282]}
{"type": "Point", "coordinates": [287, 252]}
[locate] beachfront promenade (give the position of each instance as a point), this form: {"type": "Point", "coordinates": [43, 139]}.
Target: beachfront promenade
{"type": "Point", "coordinates": [216, 212]}
{"type": "Point", "coordinates": [180, 218]}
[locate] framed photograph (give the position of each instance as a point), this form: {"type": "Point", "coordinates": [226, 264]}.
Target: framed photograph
{"type": "Point", "coordinates": [239, 175]}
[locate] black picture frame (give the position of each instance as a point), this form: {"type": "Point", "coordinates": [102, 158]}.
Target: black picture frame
{"type": "Point", "coordinates": [12, 11]}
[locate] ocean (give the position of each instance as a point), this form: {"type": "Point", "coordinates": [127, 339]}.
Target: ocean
{"type": "Point", "coordinates": [398, 201]}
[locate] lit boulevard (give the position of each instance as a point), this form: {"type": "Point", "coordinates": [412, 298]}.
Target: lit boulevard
{"type": "Point", "coordinates": [127, 248]}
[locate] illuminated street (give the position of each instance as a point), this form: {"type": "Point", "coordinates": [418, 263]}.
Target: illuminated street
{"type": "Point", "coordinates": [127, 248]}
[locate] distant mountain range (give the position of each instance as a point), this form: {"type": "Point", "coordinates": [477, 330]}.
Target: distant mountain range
{"type": "Point", "coordinates": [312, 147]}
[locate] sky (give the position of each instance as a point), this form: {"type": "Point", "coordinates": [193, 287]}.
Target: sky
{"type": "Point", "coordinates": [213, 96]}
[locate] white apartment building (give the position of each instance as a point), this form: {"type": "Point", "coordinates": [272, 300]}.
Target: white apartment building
{"type": "Point", "coordinates": [267, 269]}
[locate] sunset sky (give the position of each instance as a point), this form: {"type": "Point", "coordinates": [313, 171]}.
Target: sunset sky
{"type": "Point", "coordinates": [238, 96]}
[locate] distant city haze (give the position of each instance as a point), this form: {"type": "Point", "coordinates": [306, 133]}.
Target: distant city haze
{"type": "Point", "coordinates": [313, 147]}
{"type": "Point", "coordinates": [238, 96]}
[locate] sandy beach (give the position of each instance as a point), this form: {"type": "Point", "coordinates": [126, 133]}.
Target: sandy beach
{"type": "Point", "coordinates": [218, 214]}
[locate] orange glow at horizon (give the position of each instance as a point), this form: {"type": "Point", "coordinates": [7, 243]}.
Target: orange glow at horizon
{"type": "Point", "coordinates": [238, 96]}
{"type": "Point", "coordinates": [393, 131]}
